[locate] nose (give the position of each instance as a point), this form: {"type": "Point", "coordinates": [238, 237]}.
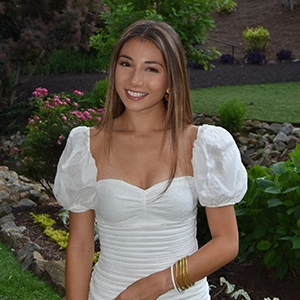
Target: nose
{"type": "Point", "coordinates": [136, 77]}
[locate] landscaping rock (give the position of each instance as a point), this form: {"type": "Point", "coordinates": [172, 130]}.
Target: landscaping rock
{"type": "Point", "coordinates": [35, 263]}
{"type": "Point", "coordinates": [54, 274]}
{"type": "Point", "coordinates": [27, 250]}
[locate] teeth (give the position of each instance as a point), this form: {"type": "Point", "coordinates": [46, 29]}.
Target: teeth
{"type": "Point", "coordinates": [135, 94]}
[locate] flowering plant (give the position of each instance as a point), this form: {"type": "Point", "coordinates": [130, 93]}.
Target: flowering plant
{"type": "Point", "coordinates": [48, 130]}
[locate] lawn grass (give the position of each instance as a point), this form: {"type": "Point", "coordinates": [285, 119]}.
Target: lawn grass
{"type": "Point", "coordinates": [16, 284]}
{"type": "Point", "coordinates": [276, 102]}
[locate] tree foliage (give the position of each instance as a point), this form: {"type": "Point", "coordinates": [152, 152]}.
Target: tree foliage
{"type": "Point", "coordinates": [190, 18]}
{"type": "Point", "coordinates": [29, 31]}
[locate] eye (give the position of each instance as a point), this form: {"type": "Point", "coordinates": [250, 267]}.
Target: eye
{"type": "Point", "coordinates": [151, 69]}
{"type": "Point", "coordinates": [124, 63]}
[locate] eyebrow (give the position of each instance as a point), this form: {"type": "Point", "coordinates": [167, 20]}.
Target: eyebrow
{"type": "Point", "coordinates": [146, 62]}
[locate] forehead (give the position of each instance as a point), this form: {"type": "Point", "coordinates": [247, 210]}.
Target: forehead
{"type": "Point", "coordinates": [141, 45]}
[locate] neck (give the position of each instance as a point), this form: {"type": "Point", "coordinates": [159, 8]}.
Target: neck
{"type": "Point", "coordinates": [140, 123]}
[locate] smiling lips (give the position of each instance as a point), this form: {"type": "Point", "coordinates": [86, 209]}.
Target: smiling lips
{"type": "Point", "coordinates": [135, 95]}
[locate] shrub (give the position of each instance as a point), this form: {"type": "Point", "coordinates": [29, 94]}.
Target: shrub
{"type": "Point", "coordinates": [269, 217]}
{"type": "Point", "coordinates": [227, 59]}
{"type": "Point", "coordinates": [225, 6]}
{"type": "Point", "coordinates": [189, 18]}
{"type": "Point", "coordinates": [232, 114]}
{"type": "Point", "coordinates": [70, 60]}
{"type": "Point", "coordinates": [99, 91]}
{"type": "Point", "coordinates": [284, 54]}
{"type": "Point", "coordinates": [14, 118]}
{"type": "Point", "coordinates": [29, 32]}
{"type": "Point", "coordinates": [47, 131]}
{"type": "Point", "coordinates": [255, 57]}
{"type": "Point", "coordinates": [256, 38]}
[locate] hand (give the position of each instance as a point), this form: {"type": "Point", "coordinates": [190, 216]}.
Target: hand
{"type": "Point", "coordinates": [148, 288]}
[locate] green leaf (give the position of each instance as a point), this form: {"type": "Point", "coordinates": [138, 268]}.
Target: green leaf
{"type": "Point", "coordinates": [290, 189]}
{"type": "Point", "coordinates": [298, 223]}
{"type": "Point", "coordinates": [273, 190]}
{"type": "Point", "coordinates": [295, 155]}
{"type": "Point", "coordinates": [263, 245]}
{"type": "Point", "coordinates": [264, 183]}
{"type": "Point", "coordinates": [278, 168]}
{"type": "Point", "coordinates": [296, 242]}
{"type": "Point", "coordinates": [274, 202]}
{"type": "Point", "coordinates": [259, 231]}
{"type": "Point", "coordinates": [272, 259]}
{"type": "Point", "coordinates": [282, 269]}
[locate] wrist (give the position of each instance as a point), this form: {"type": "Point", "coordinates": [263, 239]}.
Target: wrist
{"type": "Point", "coordinates": [163, 281]}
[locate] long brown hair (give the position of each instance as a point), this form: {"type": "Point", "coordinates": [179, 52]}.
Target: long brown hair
{"type": "Point", "coordinates": [178, 112]}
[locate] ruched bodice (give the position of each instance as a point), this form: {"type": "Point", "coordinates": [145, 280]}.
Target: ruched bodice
{"type": "Point", "coordinates": [145, 231]}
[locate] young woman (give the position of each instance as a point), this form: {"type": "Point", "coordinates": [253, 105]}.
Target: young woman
{"type": "Point", "coordinates": [140, 174]}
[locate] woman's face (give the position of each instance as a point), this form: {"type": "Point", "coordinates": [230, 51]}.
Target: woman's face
{"type": "Point", "coordinates": [141, 77]}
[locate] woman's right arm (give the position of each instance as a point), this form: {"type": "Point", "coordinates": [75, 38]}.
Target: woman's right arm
{"type": "Point", "coordinates": [80, 253]}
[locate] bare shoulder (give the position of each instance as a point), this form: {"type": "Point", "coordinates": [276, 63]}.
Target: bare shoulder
{"type": "Point", "coordinates": [190, 133]}
{"type": "Point", "coordinates": [96, 138]}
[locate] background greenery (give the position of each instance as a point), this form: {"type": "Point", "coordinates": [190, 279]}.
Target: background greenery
{"type": "Point", "coordinates": [17, 284]}
{"type": "Point", "coordinates": [278, 102]}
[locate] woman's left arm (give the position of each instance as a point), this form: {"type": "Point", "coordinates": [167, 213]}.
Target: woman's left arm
{"type": "Point", "coordinates": [221, 249]}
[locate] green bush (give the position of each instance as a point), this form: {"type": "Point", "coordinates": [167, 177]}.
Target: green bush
{"type": "Point", "coordinates": [99, 91]}
{"type": "Point", "coordinates": [48, 130]}
{"type": "Point", "coordinates": [256, 39]}
{"type": "Point", "coordinates": [269, 217]}
{"type": "Point", "coordinates": [189, 18]}
{"type": "Point", "coordinates": [225, 6]}
{"type": "Point", "coordinates": [232, 114]}
{"type": "Point", "coordinates": [70, 60]}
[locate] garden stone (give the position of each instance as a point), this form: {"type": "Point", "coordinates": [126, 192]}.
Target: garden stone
{"type": "Point", "coordinates": [296, 132]}
{"type": "Point", "coordinates": [281, 137]}
{"type": "Point", "coordinates": [9, 177]}
{"type": "Point", "coordinates": [286, 128]}
{"type": "Point", "coordinates": [279, 146]}
{"type": "Point", "coordinates": [291, 144]}
{"type": "Point", "coordinates": [54, 274]}
{"type": "Point", "coordinates": [27, 250]}
{"type": "Point", "coordinates": [246, 159]}
{"type": "Point", "coordinates": [4, 195]}
{"type": "Point", "coordinates": [275, 127]}
{"type": "Point", "coordinates": [26, 202]}
{"type": "Point", "coordinates": [5, 209]}
{"type": "Point", "coordinates": [34, 263]}
{"type": "Point", "coordinates": [13, 199]}
{"type": "Point", "coordinates": [34, 195]}
{"type": "Point", "coordinates": [13, 238]}
{"type": "Point", "coordinates": [243, 140]}
{"type": "Point", "coordinates": [6, 219]}
{"type": "Point", "coordinates": [261, 131]}
{"type": "Point", "coordinates": [8, 226]}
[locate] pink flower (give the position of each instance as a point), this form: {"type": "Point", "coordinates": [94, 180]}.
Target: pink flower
{"type": "Point", "coordinates": [15, 150]}
{"type": "Point", "coordinates": [64, 118]}
{"type": "Point", "coordinates": [40, 92]}
{"type": "Point", "coordinates": [78, 93]}
{"type": "Point", "coordinates": [68, 100]}
{"type": "Point", "coordinates": [75, 104]}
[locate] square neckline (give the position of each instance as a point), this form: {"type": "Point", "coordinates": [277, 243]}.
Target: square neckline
{"type": "Point", "coordinates": [188, 177]}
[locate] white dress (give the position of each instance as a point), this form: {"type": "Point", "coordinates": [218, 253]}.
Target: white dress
{"type": "Point", "coordinates": [145, 231]}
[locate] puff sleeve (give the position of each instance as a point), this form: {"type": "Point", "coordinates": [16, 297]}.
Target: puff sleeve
{"type": "Point", "coordinates": [220, 177]}
{"type": "Point", "coordinates": [75, 180]}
